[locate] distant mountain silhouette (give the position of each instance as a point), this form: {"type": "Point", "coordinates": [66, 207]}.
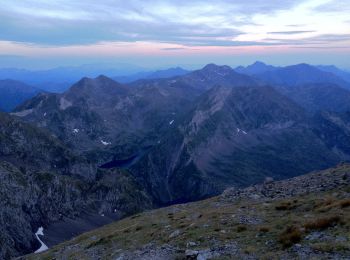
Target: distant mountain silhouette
{"type": "Point", "coordinates": [300, 74]}
{"type": "Point", "coordinates": [159, 74]}
{"type": "Point", "coordinates": [13, 93]}
{"type": "Point", "coordinates": [345, 75]}
{"type": "Point", "coordinates": [256, 68]}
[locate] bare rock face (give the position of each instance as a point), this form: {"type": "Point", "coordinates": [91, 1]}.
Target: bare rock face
{"type": "Point", "coordinates": [43, 182]}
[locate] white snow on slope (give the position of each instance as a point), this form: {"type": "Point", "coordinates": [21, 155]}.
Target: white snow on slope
{"type": "Point", "coordinates": [43, 247]}
{"type": "Point", "coordinates": [241, 131]}
{"type": "Point", "coordinates": [105, 143]}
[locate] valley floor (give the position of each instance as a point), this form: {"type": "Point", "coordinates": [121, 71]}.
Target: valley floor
{"type": "Point", "coordinates": [307, 217]}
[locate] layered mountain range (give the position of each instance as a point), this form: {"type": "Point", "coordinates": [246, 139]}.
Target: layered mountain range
{"type": "Point", "coordinates": [104, 150]}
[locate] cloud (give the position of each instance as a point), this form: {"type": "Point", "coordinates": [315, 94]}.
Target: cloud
{"type": "Point", "coordinates": [183, 23]}
{"type": "Point", "coordinates": [291, 32]}
{"type": "Point", "coordinates": [172, 49]}
{"type": "Point", "coordinates": [323, 39]}
{"type": "Point", "coordinates": [65, 22]}
{"type": "Point", "coordinates": [333, 6]}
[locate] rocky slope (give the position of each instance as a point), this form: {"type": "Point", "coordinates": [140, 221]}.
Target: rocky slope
{"type": "Point", "coordinates": [305, 217]}
{"type": "Point", "coordinates": [43, 182]}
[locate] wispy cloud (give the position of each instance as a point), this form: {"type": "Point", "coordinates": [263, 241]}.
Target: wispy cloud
{"type": "Point", "coordinates": [65, 22]}
{"type": "Point", "coordinates": [291, 32]}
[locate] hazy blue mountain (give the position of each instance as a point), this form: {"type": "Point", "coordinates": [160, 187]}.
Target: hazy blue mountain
{"type": "Point", "coordinates": [13, 93]}
{"type": "Point", "coordinates": [255, 68]}
{"type": "Point", "coordinates": [159, 74]}
{"type": "Point", "coordinates": [345, 75]}
{"type": "Point", "coordinates": [60, 79]}
{"type": "Point", "coordinates": [300, 74]}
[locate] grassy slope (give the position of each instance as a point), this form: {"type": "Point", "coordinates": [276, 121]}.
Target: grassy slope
{"type": "Point", "coordinates": [317, 222]}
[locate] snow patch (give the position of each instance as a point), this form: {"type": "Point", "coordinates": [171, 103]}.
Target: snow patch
{"type": "Point", "coordinates": [241, 131]}
{"type": "Point", "coordinates": [43, 247]}
{"type": "Point", "coordinates": [23, 113]}
{"type": "Point", "coordinates": [171, 122]}
{"type": "Point", "coordinates": [221, 74]}
{"type": "Point", "coordinates": [105, 143]}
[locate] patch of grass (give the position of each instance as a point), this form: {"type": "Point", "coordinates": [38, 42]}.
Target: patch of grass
{"type": "Point", "coordinates": [101, 241]}
{"type": "Point", "coordinates": [330, 247]}
{"type": "Point", "coordinates": [286, 205]}
{"type": "Point", "coordinates": [290, 236]}
{"type": "Point", "coordinates": [322, 223]}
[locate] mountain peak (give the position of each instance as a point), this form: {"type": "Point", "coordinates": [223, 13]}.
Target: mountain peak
{"type": "Point", "coordinates": [255, 68]}
{"type": "Point", "coordinates": [103, 78]}
{"type": "Point", "coordinates": [214, 67]}
{"type": "Point", "coordinates": [258, 63]}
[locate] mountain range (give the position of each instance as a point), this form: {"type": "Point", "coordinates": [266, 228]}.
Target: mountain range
{"type": "Point", "coordinates": [103, 150]}
{"type": "Point", "coordinates": [60, 79]}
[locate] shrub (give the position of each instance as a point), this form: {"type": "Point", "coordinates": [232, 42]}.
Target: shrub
{"type": "Point", "coordinates": [285, 206]}
{"type": "Point", "coordinates": [345, 203]}
{"type": "Point", "coordinates": [241, 228]}
{"type": "Point", "coordinates": [138, 228]}
{"type": "Point", "coordinates": [264, 229]}
{"type": "Point", "coordinates": [290, 236]}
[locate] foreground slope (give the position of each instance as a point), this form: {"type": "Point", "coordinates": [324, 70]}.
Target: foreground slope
{"type": "Point", "coordinates": [304, 217]}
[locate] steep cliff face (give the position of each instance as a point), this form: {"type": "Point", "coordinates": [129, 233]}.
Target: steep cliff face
{"type": "Point", "coordinates": [31, 200]}
{"type": "Point", "coordinates": [31, 148]}
{"type": "Point", "coordinates": [42, 182]}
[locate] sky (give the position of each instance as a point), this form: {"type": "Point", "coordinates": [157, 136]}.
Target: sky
{"type": "Point", "coordinates": [160, 33]}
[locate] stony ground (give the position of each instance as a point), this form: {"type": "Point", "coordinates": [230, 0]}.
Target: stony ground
{"type": "Point", "coordinates": [307, 217]}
